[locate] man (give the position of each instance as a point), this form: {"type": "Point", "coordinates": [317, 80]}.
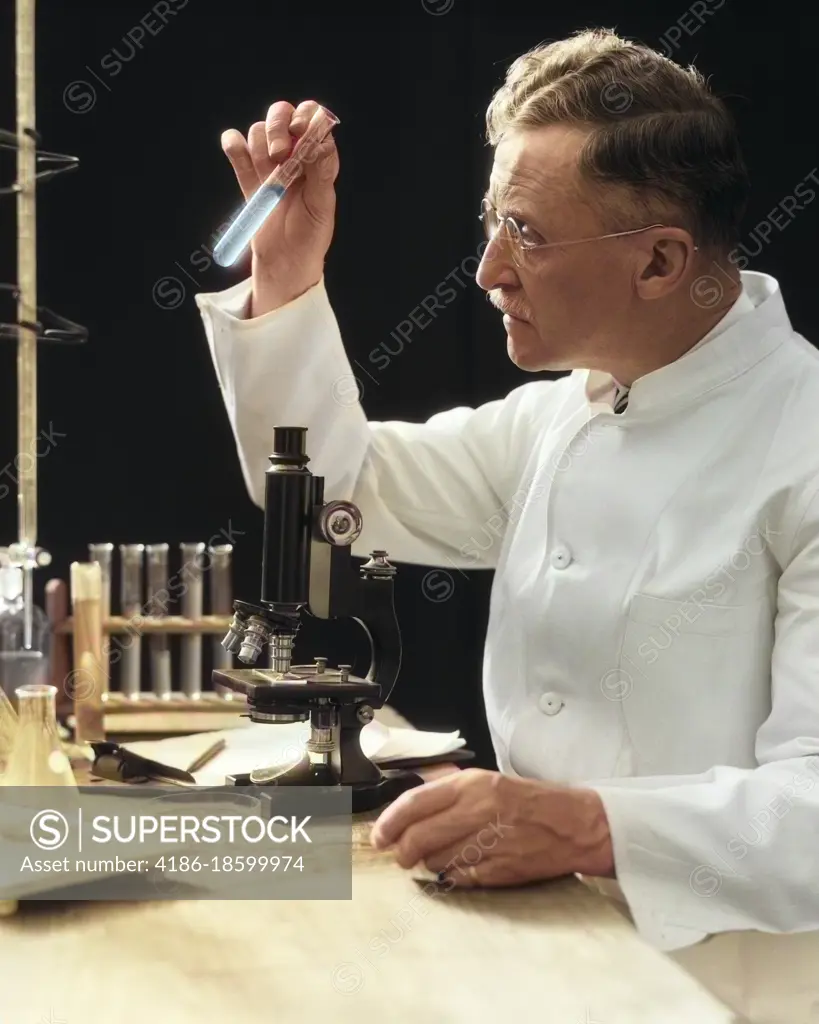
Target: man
{"type": "Point", "coordinates": [651, 658]}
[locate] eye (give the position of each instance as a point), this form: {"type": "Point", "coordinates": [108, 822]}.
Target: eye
{"type": "Point", "coordinates": [528, 235]}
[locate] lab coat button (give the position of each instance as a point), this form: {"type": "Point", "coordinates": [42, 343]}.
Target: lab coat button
{"type": "Point", "coordinates": [550, 703]}
{"type": "Point", "coordinates": [561, 557]}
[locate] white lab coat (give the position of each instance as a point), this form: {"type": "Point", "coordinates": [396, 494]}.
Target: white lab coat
{"type": "Point", "coordinates": [654, 621]}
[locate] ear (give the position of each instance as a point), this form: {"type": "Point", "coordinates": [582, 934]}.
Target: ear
{"type": "Point", "coordinates": [664, 258]}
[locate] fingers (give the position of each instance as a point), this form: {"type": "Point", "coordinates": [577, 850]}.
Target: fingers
{"type": "Point", "coordinates": [437, 771]}
{"type": "Point", "coordinates": [270, 142]}
{"type": "Point", "coordinates": [318, 194]}
{"type": "Point", "coordinates": [451, 862]}
{"type": "Point", "coordinates": [427, 838]}
{"type": "Point", "coordinates": [413, 806]}
{"type": "Point", "coordinates": [236, 150]}
{"type": "Point", "coordinates": [257, 144]}
{"type": "Point", "coordinates": [301, 117]}
{"type": "Point", "coordinates": [277, 130]}
{"type": "Point", "coordinates": [471, 866]}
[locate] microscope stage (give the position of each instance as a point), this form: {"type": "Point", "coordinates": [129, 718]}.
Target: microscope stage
{"type": "Point", "coordinates": [301, 683]}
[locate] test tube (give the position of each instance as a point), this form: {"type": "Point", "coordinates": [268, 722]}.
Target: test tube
{"type": "Point", "coordinates": [91, 669]}
{"type": "Point", "coordinates": [158, 607]}
{"type": "Point", "coordinates": [131, 556]}
{"type": "Point", "coordinates": [192, 568]}
{"type": "Point", "coordinates": [102, 553]}
{"type": "Point", "coordinates": [268, 195]}
{"type": "Point", "coordinates": [221, 603]}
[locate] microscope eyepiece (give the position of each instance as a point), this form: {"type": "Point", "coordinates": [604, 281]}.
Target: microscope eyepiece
{"type": "Point", "coordinates": [289, 445]}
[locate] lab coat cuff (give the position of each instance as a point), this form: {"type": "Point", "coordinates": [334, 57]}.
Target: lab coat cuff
{"type": "Point", "coordinates": [656, 886]}
{"type": "Point", "coordinates": [232, 305]}
{"type": "Point", "coordinates": [286, 330]}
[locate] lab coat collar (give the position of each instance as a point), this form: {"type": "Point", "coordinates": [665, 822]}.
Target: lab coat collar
{"type": "Point", "coordinates": [744, 304]}
{"type": "Point", "coordinates": [754, 326]}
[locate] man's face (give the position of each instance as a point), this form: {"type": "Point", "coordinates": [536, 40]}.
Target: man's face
{"type": "Point", "coordinates": [569, 306]}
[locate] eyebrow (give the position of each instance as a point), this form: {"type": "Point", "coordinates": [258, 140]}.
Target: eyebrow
{"type": "Point", "coordinates": [492, 195]}
{"type": "Point", "coordinates": [517, 212]}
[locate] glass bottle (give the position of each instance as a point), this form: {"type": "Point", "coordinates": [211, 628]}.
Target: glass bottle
{"type": "Point", "coordinates": [37, 757]}
{"type": "Point", "coordinates": [20, 665]}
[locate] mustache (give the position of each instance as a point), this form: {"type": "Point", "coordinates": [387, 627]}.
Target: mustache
{"type": "Point", "coordinates": [493, 300]}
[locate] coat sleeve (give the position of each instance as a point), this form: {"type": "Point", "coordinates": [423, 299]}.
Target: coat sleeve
{"type": "Point", "coordinates": [425, 490]}
{"type": "Point", "coordinates": [736, 849]}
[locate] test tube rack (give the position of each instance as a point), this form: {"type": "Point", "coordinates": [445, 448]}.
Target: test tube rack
{"type": "Point", "coordinates": [164, 707]}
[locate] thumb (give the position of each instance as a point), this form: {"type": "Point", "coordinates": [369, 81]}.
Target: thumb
{"type": "Point", "coordinates": [320, 174]}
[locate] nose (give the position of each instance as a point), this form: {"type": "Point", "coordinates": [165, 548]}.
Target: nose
{"type": "Point", "coordinates": [496, 268]}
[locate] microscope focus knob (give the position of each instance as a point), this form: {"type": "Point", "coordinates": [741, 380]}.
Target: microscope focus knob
{"type": "Point", "coordinates": [378, 566]}
{"type": "Point", "coordinates": [340, 523]}
{"type": "Point", "coordinates": [365, 714]}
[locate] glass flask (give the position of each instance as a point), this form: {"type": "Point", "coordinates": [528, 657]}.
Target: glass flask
{"type": "Point", "coordinates": [20, 665]}
{"type": "Point", "coordinates": [37, 757]}
{"type": "Point", "coordinates": [8, 730]}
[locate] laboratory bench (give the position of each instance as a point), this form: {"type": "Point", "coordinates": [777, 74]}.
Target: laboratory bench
{"type": "Point", "coordinates": [402, 951]}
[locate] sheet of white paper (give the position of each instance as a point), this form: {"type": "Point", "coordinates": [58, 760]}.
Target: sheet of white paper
{"type": "Point", "coordinates": [406, 743]}
{"type": "Point", "coordinates": [175, 751]}
{"type": "Point", "coordinates": [253, 745]}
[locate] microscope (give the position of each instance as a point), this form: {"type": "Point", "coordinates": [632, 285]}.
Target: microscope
{"type": "Point", "coordinates": [308, 570]}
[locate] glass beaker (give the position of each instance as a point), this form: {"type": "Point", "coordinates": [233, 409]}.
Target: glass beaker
{"type": "Point", "coordinates": [37, 757]}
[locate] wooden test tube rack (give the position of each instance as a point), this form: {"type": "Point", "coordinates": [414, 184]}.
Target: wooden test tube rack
{"type": "Point", "coordinates": [145, 713]}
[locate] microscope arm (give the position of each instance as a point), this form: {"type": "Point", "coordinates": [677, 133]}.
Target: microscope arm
{"type": "Point", "coordinates": [369, 601]}
{"type": "Point", "coordinates": [380, 622]}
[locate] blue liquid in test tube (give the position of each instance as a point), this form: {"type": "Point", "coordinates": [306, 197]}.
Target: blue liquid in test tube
{"type": "Point", "coordinates": [255, 212]}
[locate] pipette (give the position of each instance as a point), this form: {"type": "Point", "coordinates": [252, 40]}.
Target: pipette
{"type": "Point", "coordinates": [269, 194]}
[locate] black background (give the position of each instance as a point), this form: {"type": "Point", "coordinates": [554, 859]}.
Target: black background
{"type": "Point", "coordinates": [148, 453]}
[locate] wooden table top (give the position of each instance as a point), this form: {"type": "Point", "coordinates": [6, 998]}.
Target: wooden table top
{"type": "Point", "coordinates": [552, 953]}
{"type": "Point", "coordinates": [557, 953]}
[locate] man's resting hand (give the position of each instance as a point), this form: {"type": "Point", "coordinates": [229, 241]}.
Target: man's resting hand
{"type": "Point", "coordinates": [487, 829]}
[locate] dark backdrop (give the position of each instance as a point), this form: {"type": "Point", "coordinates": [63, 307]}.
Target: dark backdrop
{"type": "Point", "coordinates": [145, 452]}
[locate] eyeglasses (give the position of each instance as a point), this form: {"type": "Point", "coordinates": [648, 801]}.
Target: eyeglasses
{"type": "Point", "coordinates": [521, 247]}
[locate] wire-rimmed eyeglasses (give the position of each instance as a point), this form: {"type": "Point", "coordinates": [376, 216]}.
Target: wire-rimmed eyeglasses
{"type": "Point", "coordinates": [520, 246]}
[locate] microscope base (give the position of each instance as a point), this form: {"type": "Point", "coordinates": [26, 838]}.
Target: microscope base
{"type": "Point", "coordinates": [365, 796]}
{"type": "Point", "coordinates": [394, 783]}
